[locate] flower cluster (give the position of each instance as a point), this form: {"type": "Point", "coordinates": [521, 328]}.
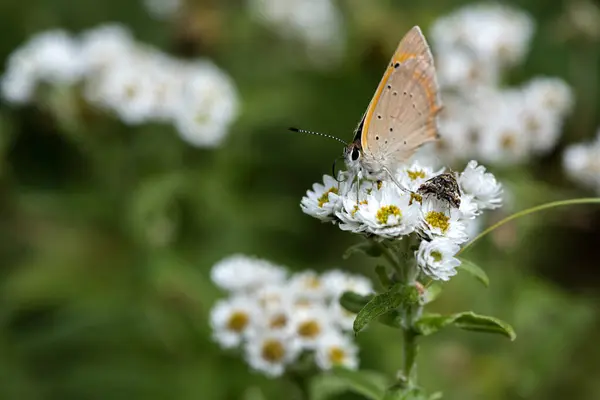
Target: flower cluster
{"type": "Point", "coordinates": [385, 211]}
{"type": "Point", "coordinates": [474, 47]}
{"type": "Point", "coordinates": [138, 83]}
{"type": "Point", "coordinates": [582, 163]}
{"type": "Point", "coordinates": [317, 23]}
{"type": "Point", "coordinates": [276, 318]}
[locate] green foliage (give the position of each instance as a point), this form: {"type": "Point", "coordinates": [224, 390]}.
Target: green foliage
{"type": "Point", "coordinates": [398, 296]}
{"type": "Point", "coordinates": [371, 385]}
{"type": "Point", "coordinates": [469, 321]}
{"type": "Point", "coordinates": [475, 270]}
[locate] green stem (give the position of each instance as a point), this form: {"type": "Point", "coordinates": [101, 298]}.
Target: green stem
{"type": "Point", "coordinates": [409, 357]}
{"type": "Point", "coordinates": [389, 256]}
{"type": "Point", "coordinates": [560, 203]}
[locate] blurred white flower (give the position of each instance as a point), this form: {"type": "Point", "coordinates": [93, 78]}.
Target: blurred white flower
{"type": "Point", "coordinates": [271, 351]}
{"type": "Point", "coordinates": [138, 83]}
{"type": "Point", "coordinates": [242, 273]}
{"type": "Point", "coordinates": [336, 282]}
{"type": "Point", "coordinates": [207, 105]}
{"type": "Point", "coordinates": [310, 324]}
{"type": "Point", "coordinates": [232, 319]}
{"type": "Point", "coordinates": [436, 258]}
{"type": "Point", "coordinates": [317, 23]}
{"type": "Point", "coordinates": [492, 32]}
{"type": "Point", "coordinates": [581, 162]}
{"type": "Point", "coordinates": [275, 318]}
{"type": "Point", "coordinates": [334, 350]}
{"type": "Point", "coordinates": [307, 285]}
{"type": "Point", "coordinates": [163, 9]}
{"type": "Point", "coordinates": [49, 57]}
{"type": "Point", "coordinates": [474, 46]}
{"type": "Point", "coordinates": [482, 185]}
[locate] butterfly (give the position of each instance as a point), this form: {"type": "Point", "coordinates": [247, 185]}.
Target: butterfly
{"type": "Point", "coordinates": [402, 116]}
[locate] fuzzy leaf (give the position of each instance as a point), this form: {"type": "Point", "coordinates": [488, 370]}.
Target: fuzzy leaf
{"type": "Point", "coordinates": [354, 302]}
{"type": "Point", "coordinates": [385, 302]}
{"type": "Point", "coordinates": [475, 270]}
{"type": "Point", "coordinates": [369, 248]}
{"type": "Point", "coordinates": [369, 384]}
{"type": "Point", "coordinates": [431, 323]}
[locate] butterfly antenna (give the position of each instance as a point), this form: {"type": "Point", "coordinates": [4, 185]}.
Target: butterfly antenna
{"type": "Point", "coordinates": [318, 134]}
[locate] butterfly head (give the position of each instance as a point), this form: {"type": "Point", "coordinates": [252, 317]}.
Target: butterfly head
{"type": "Point", "coordinates": [353, 154]}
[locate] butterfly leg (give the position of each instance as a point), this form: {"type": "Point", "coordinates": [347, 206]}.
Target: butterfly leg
{"type": "Point", "coordinates": [405, 190]}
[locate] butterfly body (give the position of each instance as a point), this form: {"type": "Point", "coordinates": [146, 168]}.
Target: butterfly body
{"type": "Point", "coordinates": [402, 116]}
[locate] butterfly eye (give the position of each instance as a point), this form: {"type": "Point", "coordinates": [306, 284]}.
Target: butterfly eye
{"type": "Point", "coordinates": [355, 154]}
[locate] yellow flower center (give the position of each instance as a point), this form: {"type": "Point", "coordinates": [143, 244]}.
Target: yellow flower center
{"type": "Point", "coordinates": [436, 255]}
{"type": "Point", "coordinates": [363, 202]}
{"type": "Point", "coordinates": [238, 321]}
{"type": "Point", "coordinates": [309, 329]}
{"type": "Point", "coordinates": [386, 211]}
{"type": "Point", "coordinates": [325, 196]}
{"type": "Point", "coordinates": [439, 220]}
{"type": "Point", "coordinates": [273, 350]}
{"type": "Point", "coordinates": [508, 141]}
{"type": "Point", "coordinates": [313, 283]}
{"type": "Point", "coordinates": [278, 321]}
{"type": "Point", "coordinates": [337, 355]}
{"type": "Point", "coordinates": [414, 175]}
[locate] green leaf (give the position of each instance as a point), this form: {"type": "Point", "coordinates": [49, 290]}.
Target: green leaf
{"type": "Point", "coordinates": [369, 248]}
{"type": "Point", "coordinates": [369, 384]}
{"type": "Point", "coordinates": [432, 293]}
{"type": "Point", "coordinates": [475, 270]}
{"type": "Point", "coordinates": [383, 276]}
{"type": "Point", "coordinates": [436, 396]}
{"type": "Point", "coordinates": [431, 323]}
{"type": "Point", "coordinates": [354, 302]}
{"type": "Point", "coordinates": [404, 394]}
{"type": "Point", "coordinates": [385, 302]}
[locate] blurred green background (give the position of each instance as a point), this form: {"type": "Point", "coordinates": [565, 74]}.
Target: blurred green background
{"type": "Point", "coordinates": [94, 306]}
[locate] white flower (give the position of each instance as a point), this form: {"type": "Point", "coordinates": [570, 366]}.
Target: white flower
{"type": "Point", "coordinates": [491, 32]}
{"type": "Point", "coordinates": [307, 285]}
{"type": "Point", "coordinates": [207, 106]}
{"type": "Point", "coordinates": [482, 185]}
{"type": "Point", "coordinates": [387, 212]}
{"type": "Point", "coordinates": [469, 209]}
{"type": "Point", "coordinates": [336, 282]}
{"type": "Point", "coordinates": [105, 45]}
{"type": "Point", "coordinates": [582, 163]}
{"type": "Point", "coordinates": [323, 200]}
{"type": "Point", "coordinates": [316, 22]}
{"type": "Point", "coordinates": [438, 219]}
{"type": "Point", "coordinates": [242, 273]}
{"type": "Point", "coordinates": [52, 57]}
{"type": "Point", "coordinates": [310, 324]}
{"type": "Point", "coordinates": [413, 176]}
{"type": "Point", "coordinates": [436, 258]}
{"type": "Point", "coordinates": [336, 350]}
{"type": "Point", "coordinates": [271, 351]}
{"type": "Point", "coordinates": [232, 319]}
{"type": "Point", "coordinates": [552, 94]}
